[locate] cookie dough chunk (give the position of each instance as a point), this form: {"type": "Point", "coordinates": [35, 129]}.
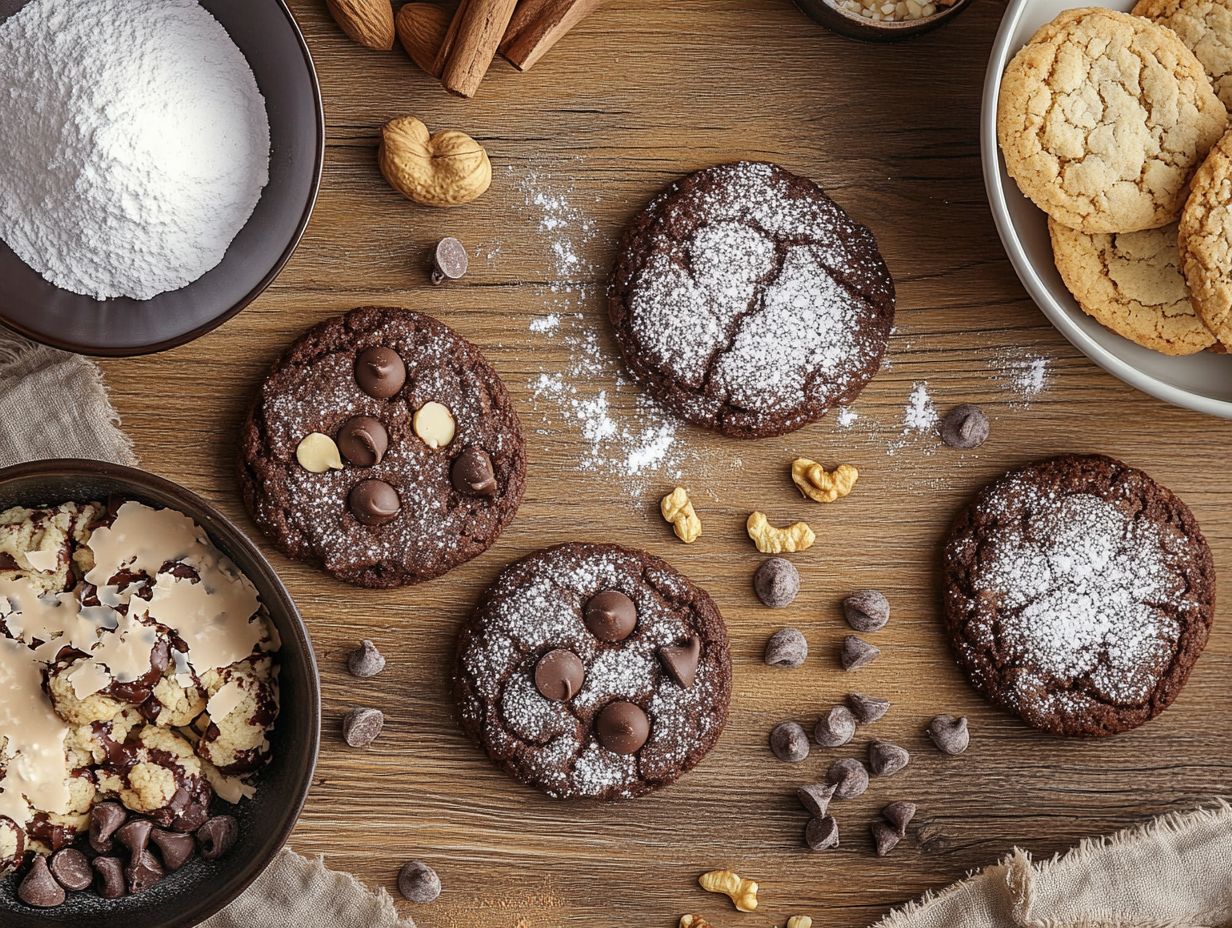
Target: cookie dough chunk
{"type": "Point", "coordinates": [1132, 283]}
{"type": "Point", "coordinates": [1078, 594]}
{"type": "Point", "coordinates": [242, 707]}
{"type": "Point", "coordinates": [1206, 241]}
{"type": "Point", "coordinates": [746, 300]}
{"type": "Point", "coordinates": [594, 671]}
{"type": "Point", "coordinates": [156, 773]}
{"type": "Point", "coordinates": [1103, 118]}
{"type": "Point", "coordinates": [12, 845]}
{"type": "Point", "coordinates": [1205, 26]}
{"type": "Point", "coordinates": [36, 544]}
{"type": "Point", "coordinates": [431, 453]}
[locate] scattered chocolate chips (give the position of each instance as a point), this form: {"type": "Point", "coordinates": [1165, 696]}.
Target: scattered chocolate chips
{"type": "Point", "coordinates": [449, 260]}
{"type": "Point", "coordinates": [472, 473]}
{"type": "Point", "coordinates": [71, 868]}
{"type": "Point", "coordinates": [849, 778]}
{"type": "Point", "coordinates": [374, 502]}
{"type": "Point", "coordinates": [965, 427]}
{"type": "Point", "coordinates": [105, 818]}
{"type": "Point", "coordinates": [821, 833]}
{"type": "Point", "coordinates": [857, 653]}
{"type": "Point", "coordinates": [135, 835]}
{"type": "Point", "coordinates": [108, 877]}
{"type": "Point", "coordinates": [39, 888]}
{"type": "Point", "coordinates": [867, 610]}
{"type": "Point", "coordinates": [217, 836]}
{"type": "Point", "coordinates": [951, 735]}
{"type": "Point", "coordinates": [885, 838]}
{"type": "Point", "coordinates": [363, 441]}
{"type": "Point", "coordinates": [175, 849]}
{"type": "Point", "coordinates": [681, 660]}
{"type": "Point", "coordinates": [622, 727]}
{"type": "Point", "coordinates": [886, 758]}
{"type": "Point", "coordinates": [559, 675]}
{"type": "Point", "coordinates": [361, 726]}
{"type": "Point", "coordinates": [789, 742]}
{"type": "Point", "coordinates": [835, 728]}
{"type": "Point", "coordinates": [899, 815]}
{"type": "Point", "coordinates": [418, 882]}
{"type": "Point", "coordinates": [776, 582]}
{"type": "Point", "coordinates": [786, 648]}
{"type": "Point", "coordinates": [815, 797]}
{"type": "Point", "coordinates": [380, 372]}
{"type": "Point", "coordinates": [867, 709]}
{"type": "Point", "coordinates": [366, 660]}
{"type": "Point", "coordinates": [611, 616]}
{"type": "Point", "coordinates": [143, 872]}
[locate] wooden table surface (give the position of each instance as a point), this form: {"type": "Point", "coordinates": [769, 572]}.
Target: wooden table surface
{"type": "Point", "coordinates": [641, 93]}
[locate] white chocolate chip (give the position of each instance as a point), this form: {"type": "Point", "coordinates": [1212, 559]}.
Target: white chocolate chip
{"type": "Point", "coordinates": [434, 424]}
{"type": "Point", "coordinates": [317, 453]}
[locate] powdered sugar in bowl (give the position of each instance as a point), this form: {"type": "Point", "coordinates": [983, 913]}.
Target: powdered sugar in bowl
{"type": "Point", "coordinates": [183, 180]}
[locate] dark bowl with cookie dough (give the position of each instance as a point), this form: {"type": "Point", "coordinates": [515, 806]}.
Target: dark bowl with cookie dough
{"type": "Point", "coordinates": [199, 889]}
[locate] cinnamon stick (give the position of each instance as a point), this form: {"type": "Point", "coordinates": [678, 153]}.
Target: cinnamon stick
{"type": "Point", "coordinates": [471, 43]}
{"type": "Point", "coordinates": [538, 25]}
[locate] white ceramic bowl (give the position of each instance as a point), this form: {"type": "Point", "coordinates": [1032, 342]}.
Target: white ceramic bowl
{"type": "Point", "coordinates": [1202, 381]}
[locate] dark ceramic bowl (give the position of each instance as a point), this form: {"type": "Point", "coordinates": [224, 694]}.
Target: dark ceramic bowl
{"type": "Point", "coordinates": [199, 889]}
{"type": "Point", "coordinates": [857, 27]}
{"type": "Point", "coordinates": [268, 36]}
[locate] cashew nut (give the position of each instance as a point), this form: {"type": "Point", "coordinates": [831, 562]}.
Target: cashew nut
{"type": "Point", "coordinates": [678, 509]}
{"type": "Point", "coordinates": [446, 169]}
{"type": "Point", "coordinates": [743, 893]}
{"type": "Point", "coordinates": [821, 485]}
{"type": "Point", "coordinates": [771, 540]}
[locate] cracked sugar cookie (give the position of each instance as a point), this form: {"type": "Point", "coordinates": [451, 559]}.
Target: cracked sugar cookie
{"type": "Point", "coordinates": [594, 671]}
{"type": "Point", "coordinates": [1103, 118]}
{"type": "Point", "coordinates": [1206, 241]}
{"type": "Point", "coordinates": [1205, 26]}
{"type": "Point", "coordinates": [1078, 593]}
{"type": "Point", "coordinates": [746, 300]}
{"type": "Point", "coordinates": [1132, 283]}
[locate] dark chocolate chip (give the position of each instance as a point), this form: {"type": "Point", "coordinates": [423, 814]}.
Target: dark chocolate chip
{"type": "Point", "coordinates": [105, 818]}
{"type": "Point", "coordinates": [39, 888]}
{"type": "Point", "coordinates": [109, 877]}
{"type": "Point", "coordinates": [789, 742]}
{"type": "Point", "coordinates": [786, 648]}
{"type": "Point", "coordinates": [835, 728]}
{"type": "Point", "coordinates": [821, 833]}
{"type": "Point", "coordinates": [363, 441]}
{"type": "Point", "coordinates": [559, 675]}
{"type": "Point", "coordinates": [418, 882]}
{"type": "Point", "coordinates": [380, 372]}
{"type": "Point", "coordinates": [143, 872]}
{"type": "Point", "coordinates": [374, 502]}
{"type": "Point", "coordinates": [886, 758]}
{"type": "Point", "coordinates": [449, 260]}
{"type": "Point", "coordinates": [366, 660]}
{"type": "Point", "coordinates": [867, 709]}
{"type": "Point", "coordinates": [622, 727]}
{"type": "Point", "coordinates": [965, 427]}
{"type": "Point", "coordinates": [175, 849]}
{"type": "Point", "coordinates": [361, 726]}
{"type": "Point", "coordinates": [681, 660]}
{"type": "Point", "coordinates": [135, 835]}
{"type": "Point", "coordinates": [472, 473]}
{"type": "Point", "coordinates": [950, 734]}
{"type": "Point", "coordinates": [71, 868]}
{"type": "Point", "coordinates": [611, 616]}
{"type": "Point", "coordinates": [849, 777]}
{"type": "Point", "coordinates": [217, 836]}
{"type": "Point", "coordinates": [899, 815]}
{"type": "Point", "coordinates": [885, 838]}
{"type": "Point", "coordinates": [776, 582]}
{"type": "Point", "coordinates": [816, 798]}
{"type": "Point", "coordinates": [193, 816]}
{"type": "Point", "coordinates": [867, 610]}
{"type": "Point", "coordinates": [857, 653]}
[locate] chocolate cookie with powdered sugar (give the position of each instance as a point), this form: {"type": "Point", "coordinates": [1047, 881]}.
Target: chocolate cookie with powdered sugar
{"type": "Point", "coordinates": [747, 301]}
{"type": "Point", "coordinates": [594, 671]}
{"type": "Point", "coordinates": [383, 447]}
{"type": "Point", "coordinates": [1078, 594]}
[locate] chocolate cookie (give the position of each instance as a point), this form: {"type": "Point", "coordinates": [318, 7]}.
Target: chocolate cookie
{"type": "Point", "coordinates": [748, 301]}
{"type": "Point", "coordinates": [414, 460]}
{"type": "Point", "coordinates": [1078, 594]}
{"type": "Point", "coordinates": [594, 671]}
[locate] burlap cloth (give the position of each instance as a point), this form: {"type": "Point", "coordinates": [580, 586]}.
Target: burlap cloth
{"type": "Point", "coordinates": [1175, 872]}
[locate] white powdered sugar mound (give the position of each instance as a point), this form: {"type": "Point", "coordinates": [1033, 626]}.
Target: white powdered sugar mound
{"type": "Point", "coordinates": [135, 143]}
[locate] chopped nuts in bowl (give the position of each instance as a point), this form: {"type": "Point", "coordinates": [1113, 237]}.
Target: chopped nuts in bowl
{"type": "Point", "coordinates": [882, 20]}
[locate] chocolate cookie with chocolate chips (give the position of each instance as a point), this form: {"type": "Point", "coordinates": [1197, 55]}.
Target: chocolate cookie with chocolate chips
{"type": "Point", "coordinates": [746, 300]}
{"type": "Point", "coordinates": [429, 464]}
{"type": "Point", "coordinates": [1078, 594]}
{"type": "Point", "coordinates": [594, 671]}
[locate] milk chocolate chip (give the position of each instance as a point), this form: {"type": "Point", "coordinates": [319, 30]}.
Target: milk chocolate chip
{"type": "Point", "coordinates": [786, 648]}
{"type": "Point", "coordinates": [849, 777]}
{"type": "Point", "coordinates": [789, 742]}
{"type": "Point", "coordinates": [899, 815]}
{"type": "Point", "coordinates": [105, 818]}
{"type": "Point", "coordinates": [418, 882]}
{"type": "Point", "coordinates": [143, 872]}
{"type": "Point", "coordinates": [867, 610]}
{"type": "Point", "coordinates": [109, 877]}
{"type": "Point", "coordinates": [950, 734]}
{"type": "Point", "coordinates": [136, 837]}
{"type": "Point", "coordinates": [867, 709]}
{"type": "Point", "coordinates": [886, 758]}
{"type": "Point", "coordinates": [374, 502]}
{"type": "Point", "coordinates": [366, 660]}
{"type": "Point", "coordinates": [217, 836]}
{"type": "Point", "coordinates": [815, 798]}
{"type": "Point", "coordinates": [965, 427]}
{"type": "Point", "coordinates": [857, 652]}
{"type": "Point", "coordinates": [885, 838]}
{"type": "Point", "coordinates": [472, 473]}
{"type": "Point", "coordinates": [175, 849]}
{"type": "Point", "coordinates": [363, 441]}
{"type": "Point", "coordinates": [611, 616]}
{"type": "Point", "coordinates": [821, 834]}
{"type": "Point", "coordinates": [449, 260]}
{"type": "Point", "coordinates": [71, 869]}
{"type": "Point", "coordinates": [39, 888]}
{"type": "Point", "coordinates": [835, 728]}
{"type": "Point", "coordinates": [380, 372]}
{"type": "Point", "coordinates": [680, 660]}
{"type": "Point", "coordinates": [559, 675]}
{"type": "Point", "coordinates": [622, 727]}
{"type": "Point", "coordinates": [360, 727]}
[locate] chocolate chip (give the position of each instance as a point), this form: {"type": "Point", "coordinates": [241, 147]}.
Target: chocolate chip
{"type": "Point", "coordinates": [786, 648]}
{"type": "Point", "coordinates": [821, 833]}
{"type": "Point", "coordinates": [361, 726]}
{"type": "Point", "coordinates": [71, 869]}
{"type": "Point", "coordinates": [193, 816]}
{"type": "Point", "coordinates": [965, 427]}
{"type": "Point", "coordinates": [867, 709]}
{"type": "Point", "coordinates": [108, 877]}
{"type": "Point", "coordinates": [886, 759]}
{"type": "Point", "coordinates": [849, 777]}
{"type": "Point", "coordinates": [418, 882]}
{"type": "Point", "coordinates": [174, 849]}
{"type": "Point", "coordinates": [449, 260]}
{"type": "Point", "coordinates": [366, 660]}
{"type": "Point", "coordinates": [899, 815]}
{"type": "Point", "coordinates": [105, 818]}
{"type": "Point", "coordinates": [885, 838]}
{"type": "Point", "coordinates": [856, 653]}
{"type": "Point", "coordinates": [950, 734]}
{"type": "Point", "coordinates": [867, 610]}
{"type": "Point", "coordinates": [611, 616]}
{"type": "Point", "coordinates": [363, 441]}
{"type": "Point", "coordinates": [559, 675]}
{"type": "Point", "coordinates": [835, 728]}
{"type": "Point", "coordinates": [39, 888]}
{"type": "Point", "coordinates": [681, 660]}
{"type": "Point", "coordinates": [816, 798]}
{"type": "Point", "coordinates": [622, 727]}
{"type": "Point", "coordinates": [135, 835]}
{"type": "Point", "coordinates": [143, 872]}
{"type": "Point", "coordinates": [776, 582]}
{"type": "Point", "coordinates": [472, 473]}
{"type": "Point", "coordinates": [217, 836]}
{"type": "Point", "coordinates": [789, 742]}
{"type": "Point", "coordinates": [380, 372]}
{"type": "Point", "coordinates": [374, 502]}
